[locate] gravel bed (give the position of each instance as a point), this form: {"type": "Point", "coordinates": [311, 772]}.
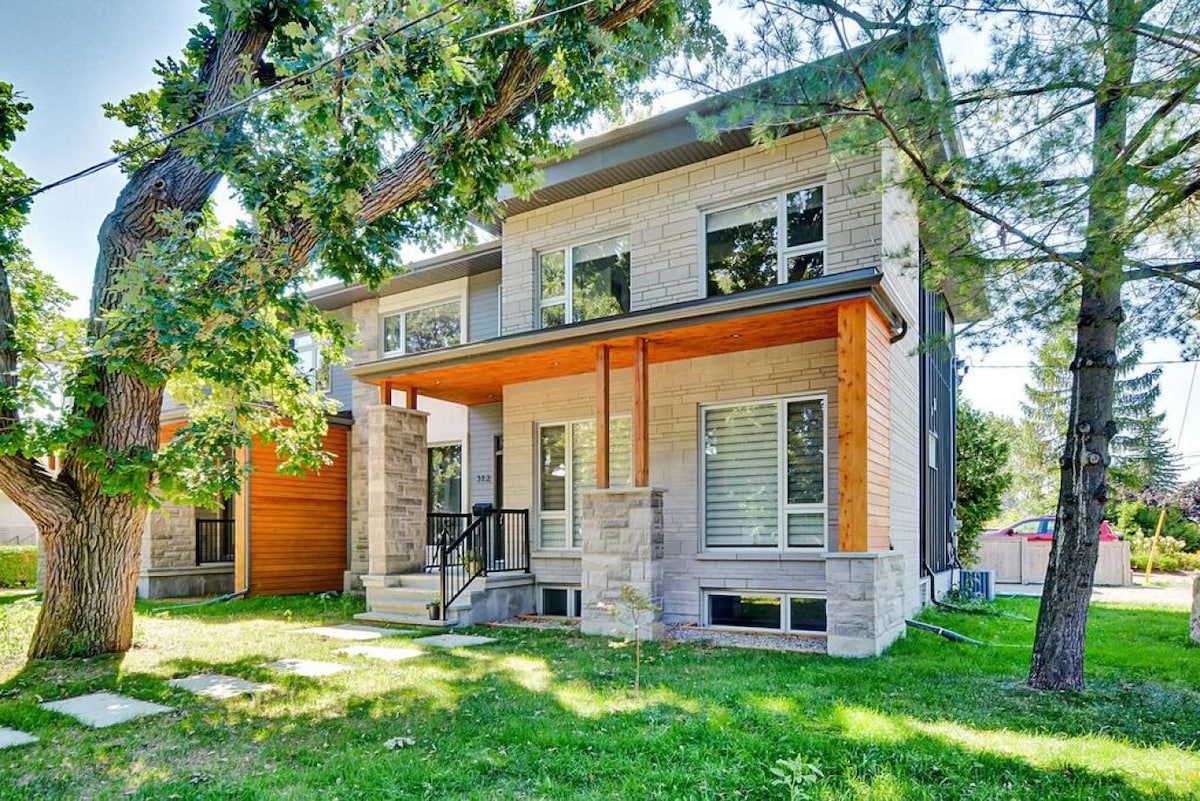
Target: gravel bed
{"type": "Point", "coordinates": [535, 622]}
{"type": "Point", "coordinates": [738, 639]}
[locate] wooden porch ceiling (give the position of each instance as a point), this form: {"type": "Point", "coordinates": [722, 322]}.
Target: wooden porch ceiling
{"type": "Point", "coordinates": [483, 381]}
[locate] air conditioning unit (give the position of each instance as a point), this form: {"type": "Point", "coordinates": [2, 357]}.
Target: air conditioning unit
{"type": "Point", "coordinates": [979, 584]}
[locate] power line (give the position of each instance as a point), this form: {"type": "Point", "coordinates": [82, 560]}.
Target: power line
{"type": "Point", "coordinates": [288, 81]}
{"type": "Point", "coordinates": [1156, 363]}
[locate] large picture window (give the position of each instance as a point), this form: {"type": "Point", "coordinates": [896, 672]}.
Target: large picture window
{"type": "Point", "coordinates": [772, 241]}
{"type": "Point", "coordinates": [424, 328]}
{"type": "Point", "coordinates": [764, 475]}
{"type": "Point", "coordinates": [567, 467]}
{"type": "Point", "coordinates": [585, 282]}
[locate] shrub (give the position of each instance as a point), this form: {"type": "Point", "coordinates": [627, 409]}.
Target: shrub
{"type": "Point", "coordinates": [1136, 517]}
{"type": "Point", "coordinates": [1170, 557]}
{"type": "Point", "coordinates": [18, 566]}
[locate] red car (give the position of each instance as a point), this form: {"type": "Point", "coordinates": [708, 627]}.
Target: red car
{"type": "Point", "coordinates": [1042, 528]}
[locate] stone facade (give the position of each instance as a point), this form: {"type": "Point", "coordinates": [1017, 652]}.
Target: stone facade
{"type": "Point", "coordinates": [677, 392]}
{"type": "Point", "coordinates": [661, 215]}
{"type": "Point", "coordinates": [397, 474]}
{"type": "Point", "coordinates": [169, 568]}
{"type": "Point", "coordinates": [865, 600]}
{"type": "Point", "coordinates": [622, 547]}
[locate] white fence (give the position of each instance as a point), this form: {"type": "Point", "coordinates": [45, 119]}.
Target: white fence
{"type": "Point", "coordinates": [1017, 560]}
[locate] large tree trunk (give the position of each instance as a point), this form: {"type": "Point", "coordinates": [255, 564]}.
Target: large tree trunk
{"type": "Point", "coordinates": [1057, 662]}
{"type": "Point", "coordinates": [93, 538]}
{"type": "Point", "coordinates": [91, 581]}
{"type": "Point", "coordinates": [1058, 647]}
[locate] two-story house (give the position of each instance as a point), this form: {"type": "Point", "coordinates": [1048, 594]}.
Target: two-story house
{"type": "Point", "coordinates": [693, 368]}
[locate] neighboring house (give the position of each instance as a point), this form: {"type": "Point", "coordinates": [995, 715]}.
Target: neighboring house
{"type": "Point", "coordinates": [692, 368]}
{"type": "Point", "coordinates": [15, 526]}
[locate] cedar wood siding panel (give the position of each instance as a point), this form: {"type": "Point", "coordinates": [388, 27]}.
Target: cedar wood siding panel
{"type": "Point", "coordinates": [297, 539]}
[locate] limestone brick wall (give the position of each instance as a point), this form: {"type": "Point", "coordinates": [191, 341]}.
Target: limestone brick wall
{"type": "Point", "coordinates": [662, 214]}
{"type": "Point", "coordinates": [363, 396]}
{"type": "Point", "coordinates": [622, 547]}
{"type": "Point", "coordinates": [864, 605]}
{"type": "Point", "coordinates": [171, 531]}
{"type": "Point", "coordinates": [677, 390]}
{"type": "Point", "coordinates": [900, 253]}
{"type": "Point", "coordinates": [397, 478]}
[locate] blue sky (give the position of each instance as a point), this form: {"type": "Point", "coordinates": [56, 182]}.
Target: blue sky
{"type": "Point", "coordinates": [70, 56]}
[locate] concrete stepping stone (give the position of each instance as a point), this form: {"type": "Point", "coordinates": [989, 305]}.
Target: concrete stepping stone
{"type": "Point", "coordinates": [453, 640]}
{"type": "Point", "coordinates": [214, 685]}
{"type": "Point", "coordinates": [377, 652]}
{"type": "Point", "coordinates": [11, 738]}
{"type": "Point", "coordinates": [306, 667]}
{"type": "Point", "coordinates": [101, 710]}
{"type": "Point", "coordinates": [353, 631]}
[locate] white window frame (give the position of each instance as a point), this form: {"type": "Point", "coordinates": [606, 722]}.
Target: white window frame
{"type": "Point", "coordinates": [567, 300]}
{"type": "Point", "coordinates": [465, 501]}
{"type": "Point", "coordinates": [783, 253]}
{"type": "Point", "coordinates": [574, 609]}
{"type": "Point", "coordinates": [567, 513]}
{"type": "Point", "coordinates": [321, 378]}
{"type": "Point", "coordinates": [785, 609]}
{"type": "Point", "coordinates": [785, 508]}
{"type": "Point", "coordinates": [417, 300]}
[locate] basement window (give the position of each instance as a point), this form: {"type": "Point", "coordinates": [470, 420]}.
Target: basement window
{"type": "Point", "coordinates": [765, 611]}
{"type": "Point", "coordinates": [560, 602]}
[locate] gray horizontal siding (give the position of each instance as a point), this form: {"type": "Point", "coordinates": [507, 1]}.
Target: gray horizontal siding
{"type": "Point", "coordinates": [483, 306]}
{"type": "Point", "coordinates": [484, 423]}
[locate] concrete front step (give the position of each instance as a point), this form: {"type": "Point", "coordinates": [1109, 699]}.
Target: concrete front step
{"type": "Point", "coordinates": [408, 620]}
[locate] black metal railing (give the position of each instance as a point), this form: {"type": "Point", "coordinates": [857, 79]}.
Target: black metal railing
{"type": "Point", "coordinates": [214, 540]}
{"type": "Point", "coordinates": [495, 541]}
{"type": "Point", "coordinates": [442, 526]}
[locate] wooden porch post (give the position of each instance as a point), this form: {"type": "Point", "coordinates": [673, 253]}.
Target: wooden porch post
{"type": "Point", "coordinates": [411, 401]}
{"type": "Point", "coordinates": [864, 428]}
{"type": "Point", "coordinates": [602, 415]}
{"type": "Point", "coordinates": [385, 393]}
{"type": "Point", "coordinates": [641, 414]}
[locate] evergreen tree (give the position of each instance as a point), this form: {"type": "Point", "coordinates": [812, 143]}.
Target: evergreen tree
{"type": "Point", "coordinates": [1142, 455]}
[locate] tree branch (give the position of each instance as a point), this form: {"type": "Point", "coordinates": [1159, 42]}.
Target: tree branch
{"type": "Point", "coordinates": [1142, 270]}
{"type": "Point", "coordinates": [1163, 155]}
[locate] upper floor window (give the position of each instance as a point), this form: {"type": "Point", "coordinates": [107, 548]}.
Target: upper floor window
{"type": "Point", "coordinates": [308, 360]}
{"type": "Point", "coordinates": [424, 328]}
{"type": "Point", "coordinates": [776, 240]}
{"type": "Point", "coordinates": [585, 282]}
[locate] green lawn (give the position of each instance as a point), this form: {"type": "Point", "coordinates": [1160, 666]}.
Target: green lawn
{"type": "Point", "coordinates": [551, 714]}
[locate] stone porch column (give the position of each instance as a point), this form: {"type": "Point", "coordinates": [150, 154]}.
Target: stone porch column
{"type": "Point", "coordinates": [397, 479]}
{"type": "Point", "coordinates": [864, 606]}
{"type": "Point", "coordinates": [622, 547]}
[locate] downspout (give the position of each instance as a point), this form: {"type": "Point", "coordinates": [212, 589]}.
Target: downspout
{"type": "Point", "coordinates": [898, 331]}
{"type": "Point", "coordinates": [246, 515]}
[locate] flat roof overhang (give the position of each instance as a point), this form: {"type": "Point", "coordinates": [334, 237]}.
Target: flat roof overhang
{"type": "Point", "coordinates": [477, 372]}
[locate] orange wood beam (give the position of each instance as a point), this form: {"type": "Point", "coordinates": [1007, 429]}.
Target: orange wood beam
{"type": "Point", "coordinates": [641, 414]}
{"type": "Point", "coordinates": [602, 415]}
{"type": "Point", "coordinates": [852, 426]}
{"type": "Point", "coordinates": [411, 401]}
{"type": "Point", "coordinates": [385, 393]}
{"type": "Point", "coordinates": [864, 428]}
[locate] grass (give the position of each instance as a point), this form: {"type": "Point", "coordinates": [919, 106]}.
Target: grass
{"type": "Point", "coordinates": [551, 714]}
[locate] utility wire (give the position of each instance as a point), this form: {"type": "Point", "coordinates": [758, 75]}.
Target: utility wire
{"type": "Point", "coordinates": [288, 81]}
{"type": "Point", "coordinates": [1030, 366]}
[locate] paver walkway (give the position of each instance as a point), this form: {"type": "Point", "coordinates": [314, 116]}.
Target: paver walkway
{"type": "Point", "coordinates": [453, 640]}
{"type": "Point", "coordinates": [100, 710]}
{"type": "Point", "coordinates": [353, 631]}
{"type": "Point", "coordinates": [377, 652]}
{"type": "Point", "coordinates": [11, 738]}
{"type": "Point", "coordinates": [306, 667]}
{"type": "Point", "coordinates": [214, 685]}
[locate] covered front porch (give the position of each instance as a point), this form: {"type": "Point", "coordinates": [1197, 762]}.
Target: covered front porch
{"type": "Point", "coordinates": [631, 515]}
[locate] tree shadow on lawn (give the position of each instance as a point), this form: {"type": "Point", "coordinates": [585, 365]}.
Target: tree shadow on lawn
{"type": "Point", "coordinates": [8, 596]}
{"type": "Point", "coordinates": [504, 724]}
{"type": "Point", "coordinates": [552, 715]}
